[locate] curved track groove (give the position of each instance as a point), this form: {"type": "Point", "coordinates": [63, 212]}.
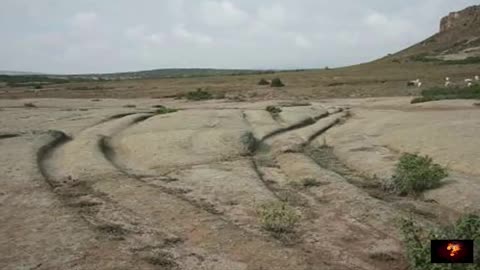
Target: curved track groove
{"type": "Point", "coordinates": [58, 138]}
{"type": "Point", "coordinates": [119, 202]}
{"type": "Point", "coordinates": [109, 152]}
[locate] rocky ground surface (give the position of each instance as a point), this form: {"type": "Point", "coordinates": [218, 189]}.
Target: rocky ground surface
{"type": "Point", "coordinates": [112, 184]}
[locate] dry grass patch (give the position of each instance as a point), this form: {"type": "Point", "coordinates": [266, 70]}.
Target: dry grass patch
{"type": "Point", "coordinates": [278, 217]}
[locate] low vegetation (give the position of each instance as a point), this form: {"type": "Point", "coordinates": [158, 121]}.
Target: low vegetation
{"type": "Point", "coordinates": [263, 82]}
{"type": "Point", "coordinates": [466, 61]}
{"type": "Point", "coordinates": [278, 217]}
{"type": "Point", "coordinates": [30, 80]}
{"type": "Point", "coordinates": [415, 174]}
{"type": "Point", "coordinates": [306, 183]}
{"type": "Point", "coordinates": [29, 105]}
{"type": "Point", "coordinates": [440, 93]}
{"type": "Point", "coordinates": [164, 110]}
{"type": "Point", "coordinates": [273, 110]}
{"type": "Point", "coordinates": [249, 142]}
{"type": "Point", "coordinates": [417, 242]}
{"type": "Point", "coordinates": [423, 57]}
{"type": "Point", "coordinates": [426, 58]}
{"type": "Point", "coordinates": [200, 94]}
{"type": "Point", "coordinates": [277, 83]}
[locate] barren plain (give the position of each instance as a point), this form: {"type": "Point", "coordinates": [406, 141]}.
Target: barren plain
{"type": "Point", "coordinates": [96, 184]}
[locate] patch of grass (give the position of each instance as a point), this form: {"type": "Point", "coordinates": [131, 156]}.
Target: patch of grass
{"type": "Point", "coordinates": [335, 84]}
{"type": "Point", "coordinates": [278, 217]}
{"type": "Point", "coordinates": [200, 94]}
{"type": "Point", "coordinates": [424, 57]}
{"type": "Point", "coordinates": [415, 174]}
{"type": "Point", "coordinates": [310, 182]}
{"type": "Point", "coordinates": [29, 105]}
{"type": "Point", "coordinates": [162, 259]}
{"type": "Point", "coordinates": [417, 242]}
{"type": "Point", "coordinates": [249, 142]}
{"type": "Point", "coordinates": [274, 110]}
{"type": "Point", "coordinates": [263, 82]}
{"type": "Point", "coordinates": [164, 110]}
{"type": "Point", "coordinates": [305, 183]}
{"type": "Point", "coordinates": [277, 83]}
{"type": "Point", "coordinates": [466, 61]}
{"type": "Point", "coordinates": [439, 93]}
{"type": "Point", "coordinates": [38, 87]}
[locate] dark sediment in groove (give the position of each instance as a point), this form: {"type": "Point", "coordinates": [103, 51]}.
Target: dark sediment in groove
{"type": "Point", "coordinates": [8, 135]}
{"type": "Point", "coordinates": [322, 130]}
{"type": "Point", "coordinates": [326, 158]}
{"type": "Point", "coordinates": [265, 183]}
{"type": "Point", "coordinates": [58, 138]}
{"type": "Point", "coordinates": [304, 123]}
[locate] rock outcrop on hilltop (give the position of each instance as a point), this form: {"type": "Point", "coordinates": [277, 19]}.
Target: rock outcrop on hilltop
{"type": "Point", "coordinates": [466, 18]}
{"type": "Point", "coordinates": [457, 40]}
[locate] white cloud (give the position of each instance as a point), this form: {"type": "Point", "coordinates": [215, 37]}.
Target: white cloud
{"type": "Point", "coordinates": [303, 42]}
{"type": "Point", "coordinates": [390, 28]}
{"type": "Point", "coordinates": [182, 33]}
{"type": "Point", "coordinates": [275, 14]}
{"type": "Point", "coordinates": [376, 19]}
{"type": "Point", "coordinates": [84, 20]}
{"type": "Point", "coordinates": [140, 34]}
{"type": "Point", "coordinates": [222, 13]}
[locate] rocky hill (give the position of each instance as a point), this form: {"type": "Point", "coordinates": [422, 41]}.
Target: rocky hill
{"type": "Point", "coordinates": [457, 41]}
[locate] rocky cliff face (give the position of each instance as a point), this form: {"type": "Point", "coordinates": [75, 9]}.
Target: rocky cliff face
{"type": "Point", "coordinates": [461, 19]}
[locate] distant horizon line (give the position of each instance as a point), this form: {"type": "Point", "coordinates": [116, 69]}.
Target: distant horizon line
{"type": "Point", "coordinates": [26, 73]}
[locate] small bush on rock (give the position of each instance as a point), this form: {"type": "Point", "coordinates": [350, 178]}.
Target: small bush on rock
{"type": "Point", "coordinates": [200, 94]}
{"type": "Point", "coordinates": [263, 82]}
{"type": "Point", "coordinates": [415, 174]}
{"type": "Point", "coordinates": [277, 83]}
{"type": "Point", "coordinates": [278, 217]}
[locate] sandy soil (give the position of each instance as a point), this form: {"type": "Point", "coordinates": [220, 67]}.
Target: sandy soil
{"type": "Point", "coordinates": [96, 184]}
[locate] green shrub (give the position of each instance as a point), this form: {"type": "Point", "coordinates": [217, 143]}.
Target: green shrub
{"type": "Point", "coordinates": [249, 142]}
{"type": "Point", "coordinates": [417, 242]}
{"type": "Point", "coordinates": [29, 105]}
{"type": "Point", "coordinates": [263, 82]}
{"type": "Point", "coordinates": [274, 110]}
{"type": "Point", "coordinates": [424, 57]}
{"type": "Point", "coordinates": [415, 174]}
{"type": "Point", "coordinates": [466, 61]}
{"type": "Point", "coordinates": [439, 93]}
{"type": "Point", "coordinates": [38, 87]}
{"type": "Point", "coordinates": [200, 94]}
{"type": "Point", "coordinates": [278, 217]}
{"type": "Point", "coordinates": [164, 110]}
{"type": "Point", "coordinates": [310, 182]}
{"type": "Point", "coordinates": [277, 83]}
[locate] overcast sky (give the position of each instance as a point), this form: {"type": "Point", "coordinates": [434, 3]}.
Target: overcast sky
{"type": "Point", "coordinates": [82, 36]}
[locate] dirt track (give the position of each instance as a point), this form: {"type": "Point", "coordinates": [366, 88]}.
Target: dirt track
{"type": "Point", "coordinates": [94, 185]}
